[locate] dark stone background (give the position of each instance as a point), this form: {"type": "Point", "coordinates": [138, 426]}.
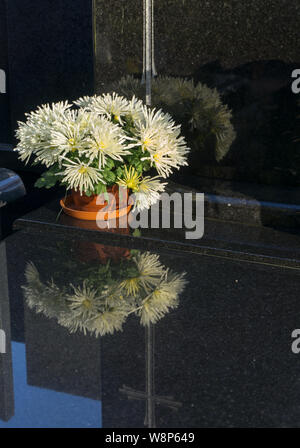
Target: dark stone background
{"type": "Point", "coordinates": [50, 52]}
{"type": "Point", "coordinates": [4, 99]}
{"type": "Point", "coordinates": [192, 33]}
{"type": "Point", "coordinates": [246, 49]}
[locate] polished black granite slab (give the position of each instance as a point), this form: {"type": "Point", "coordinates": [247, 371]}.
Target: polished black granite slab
{"type": "Point", "coordinates": [222, 238]}
{"type": "Point", "coordinates": [221, 358]}
{"type": "Point", "coordinates": [190, 34]}
{"type": "Point", "coordinates": [247, 51]}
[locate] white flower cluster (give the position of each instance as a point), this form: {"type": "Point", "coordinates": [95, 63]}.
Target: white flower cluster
{"type": "Point", "coordinates": [153, 130]}
{"type": "Point", "coordinates": [151, 294]}
{"type": "Point", "coordinates": [83, 143]}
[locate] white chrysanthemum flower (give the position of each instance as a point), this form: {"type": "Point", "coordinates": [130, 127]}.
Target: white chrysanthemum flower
{"type": "Point", "coordinates": [160, 139]}
{"type": "Point", "coordinates": [111, 105]}
{"type": "Point", "coordinates": [156, 118]}
{"type": "Point", "coordinates": [106, 140]}
{"type": "Point", "coordinates": [135, 109]}
{"type": "Point", "coordinates": [71, 135]}
{"type": "Point", "coordinates": [80, 176]}
{"type": "Point", "coordinates": [34, 135]}
{"type": "Point", "coordinates": [162, 299]}
{"type": "Point", "coordinates": [149, 273]}
{"type": "Point", "coordinates": [153, 126]}
{"type": "Point", "coordinates": [85, 101]}
{"type": "Point", "coordinates": [164, 161]}
{"type": "Point", "coordinates": [47, 114]}
{"type": "Point", "coordinates": [29, 141]}
{"type": "Point", "coordinates": [148, 192]}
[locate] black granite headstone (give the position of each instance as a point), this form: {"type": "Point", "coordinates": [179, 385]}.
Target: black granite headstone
{"type": "Point", "coordinates": [192, 33]}
{"type": "Point", "coordinates": [247, 50]}
{"type": "Point", "coordinates": [50, 52]}
{"type": "Point", "coordinates": [5, 133]}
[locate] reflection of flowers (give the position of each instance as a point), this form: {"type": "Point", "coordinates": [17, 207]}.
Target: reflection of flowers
{"type": "Point", "coordinates": [90, 311]}
{"type": "Point", "coordinates": [107, 295]}
{"type": "Point", "coordinates": [162, 298]}
{"type": "Point", "coordinates": [44, 298]}
{"type": "Point", "coordinates": [149, 272]}
{"type": "Point", "coordinates": [198, 108]}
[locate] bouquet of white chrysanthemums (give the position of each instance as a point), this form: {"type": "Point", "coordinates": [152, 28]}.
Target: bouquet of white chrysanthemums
{"type": "Point", "coordinates": [101, 141]}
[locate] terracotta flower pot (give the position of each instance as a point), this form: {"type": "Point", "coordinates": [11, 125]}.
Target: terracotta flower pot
{"type": "Point", "coordinates": [86, 207]}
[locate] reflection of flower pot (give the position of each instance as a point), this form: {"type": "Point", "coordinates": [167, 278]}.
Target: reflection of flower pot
{"type": "Point", "coordinates": [86, 207]}
{"type": "Point", "coordinates": [89, 251]}
{"type": "Point", "coordinates": [105, 253]}
{"type": "Point", "coordinates": [99, 252]}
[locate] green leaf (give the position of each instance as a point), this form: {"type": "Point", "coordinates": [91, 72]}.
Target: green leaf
{"type": "Point", "coordinates": [139, 167]}
{"type": "Point", "coordinates": [100, 188]}
{"type": "Point", "coordinates": [109, 164]}
{"type": "Point", "coordinates": [119, 172]}
{"type": "Point", "coordinates": [109, 176]}
{"type": "Point", "coordinates": [134, 252]}
{"type": "Point", "coordinates": [137, 233]}
{"type": "Point", "coordinates": [47, 180]}
{"type": "Point", "coordinates": [40, 183]}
